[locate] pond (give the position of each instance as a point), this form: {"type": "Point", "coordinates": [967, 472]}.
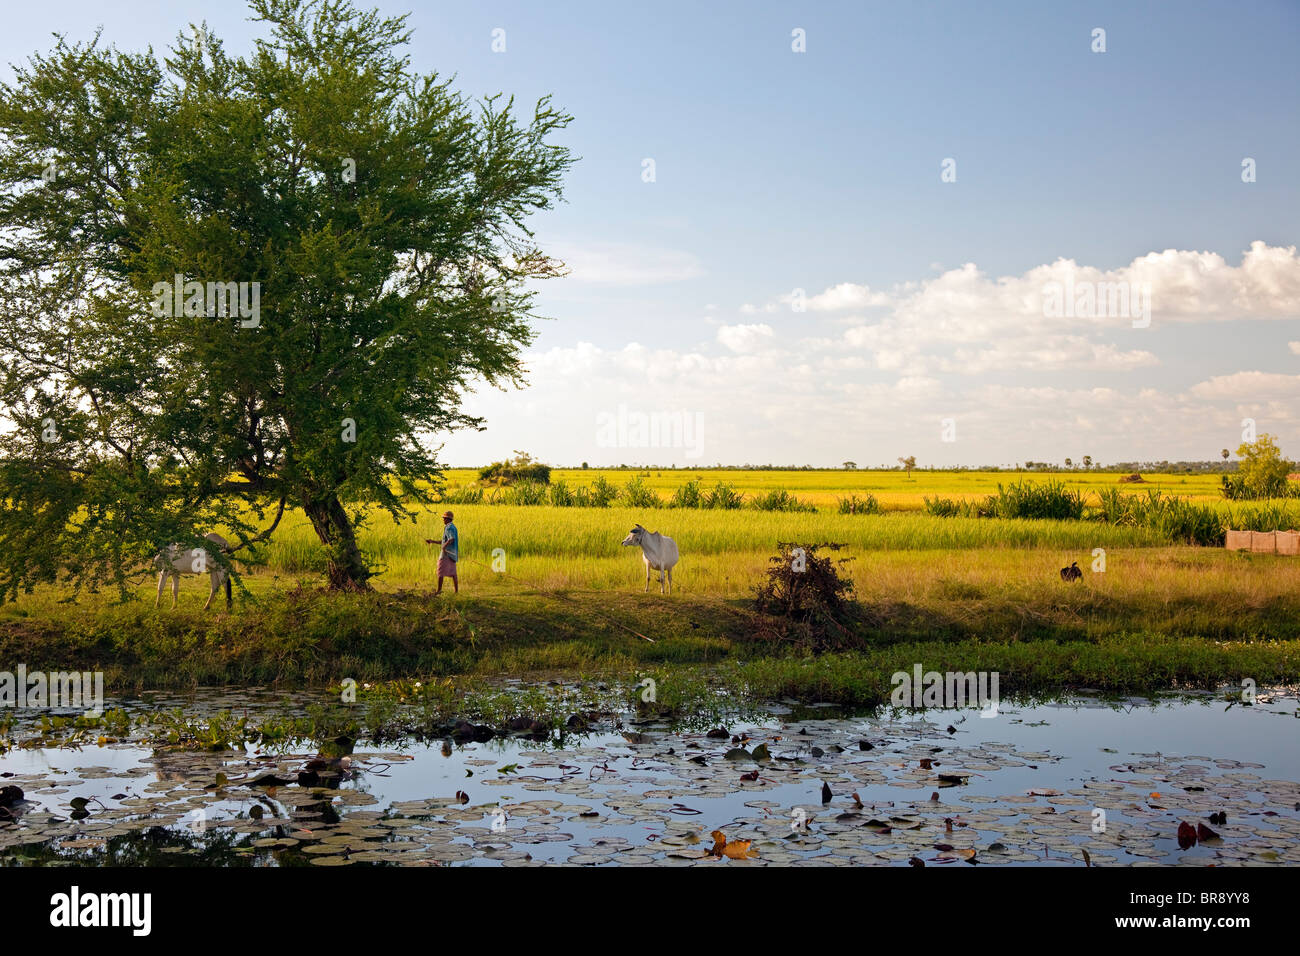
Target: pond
{"type": "Point", "coordinates": [1076, 782]}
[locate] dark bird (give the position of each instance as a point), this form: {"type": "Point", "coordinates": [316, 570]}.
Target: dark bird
{"type": "Point", "coordinates": [1072, 573]}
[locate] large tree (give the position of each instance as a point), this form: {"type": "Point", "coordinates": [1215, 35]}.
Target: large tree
{"type": "Point", "coordinates": [377, 220]}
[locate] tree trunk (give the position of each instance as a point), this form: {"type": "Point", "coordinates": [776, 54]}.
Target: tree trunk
{"type": "Point", "coordinates": [347, 567]}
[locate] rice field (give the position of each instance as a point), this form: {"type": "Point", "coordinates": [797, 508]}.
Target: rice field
{"type": "Point", "coordinates": [581, 545]}
{"type": "Point", "coordinates": [565, 596]}
{"type": "Point", "coordinates": [984, 575]}
{"type": "Point", "coordinates": [895, 490]}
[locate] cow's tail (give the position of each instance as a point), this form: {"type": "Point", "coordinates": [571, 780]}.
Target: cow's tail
{"type": "Point", "coordinates": [229, 598]}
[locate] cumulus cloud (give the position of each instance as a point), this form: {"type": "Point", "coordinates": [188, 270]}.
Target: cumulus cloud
{"type": "Point", "coordinates": [746, 338]}
{"type": "Point", "coordinates": [960, 344]}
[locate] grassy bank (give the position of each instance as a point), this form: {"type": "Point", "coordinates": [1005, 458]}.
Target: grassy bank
{"type": "Point", "coordinates": [1039, 637]}
{"type": "Point", "coordinates": [568, 599]}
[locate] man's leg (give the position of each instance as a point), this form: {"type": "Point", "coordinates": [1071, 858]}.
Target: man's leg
{"type": "Point", "coordinates": [455, 582]}
{"type": "Point", "coordinates": [439, 591]}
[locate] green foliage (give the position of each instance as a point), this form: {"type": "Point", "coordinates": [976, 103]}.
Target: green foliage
{"type": "Point", "coordinates": [638, 494]}
{"type": "Point", "coordinates": [1177, 519]}
{"type": "Point", "coordinates": [949, 508]}
{"type": "Point", "coordinates": [1262, 472]}
{"type": "Point", "coordinates": [778, 499]}
{"type": "Point", "coordinates": [600, 494]}
{"type": "Point", "coordinates": [689, 495]}
{"type": "Point", "coordinates": [853, 505]}
{"type": "Point", "coordinates": [462, 496]}
{"type": "Point", "coordinates": [1273, 516]}
{"type": "Point", "coordinates": [724, 497]}
{"type": "Point", "coordinates": [521, 468]}
{"type": "Point", "coordinates": [1026, 499]}
{"type": "Point", "coordinates": [384, 218]}
{"type": "Point", "coordinates": [525, 493]}
{"type": "Point", "coordinates": [560, 496]}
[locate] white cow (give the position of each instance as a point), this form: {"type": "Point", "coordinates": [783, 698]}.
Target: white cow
{"type": "Point", "coordinates": [177, 559]}
{"type": "Point", "coordinates": [658, 552]}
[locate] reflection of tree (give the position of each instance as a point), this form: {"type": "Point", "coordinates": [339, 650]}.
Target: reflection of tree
{"type": "Point", "coordinates": [213, 847]}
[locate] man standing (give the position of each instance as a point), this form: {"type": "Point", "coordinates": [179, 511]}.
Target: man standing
{"type": "Point", "coordinates": [449, 554]}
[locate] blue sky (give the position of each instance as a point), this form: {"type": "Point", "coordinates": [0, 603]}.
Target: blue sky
{"type": "Point", "coordinates": [778, 171]}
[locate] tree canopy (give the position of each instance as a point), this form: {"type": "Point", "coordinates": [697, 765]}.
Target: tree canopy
{"type": "Point", "coordinates": [235, 285]}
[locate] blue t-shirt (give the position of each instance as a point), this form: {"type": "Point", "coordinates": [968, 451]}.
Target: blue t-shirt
{"type": "Point", "coordinates": [451, 541]}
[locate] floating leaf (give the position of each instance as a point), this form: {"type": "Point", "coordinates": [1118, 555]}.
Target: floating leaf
{"type": "Point", "coordinates": [967, 855]}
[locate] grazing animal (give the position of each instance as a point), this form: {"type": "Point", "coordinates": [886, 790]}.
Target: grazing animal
{"type": "Point", "coordinates": [1072, 573]}
{"type": "Point", "coordinates": [659, 554]}
{"type": "Point", "coordinates": [176, 559]}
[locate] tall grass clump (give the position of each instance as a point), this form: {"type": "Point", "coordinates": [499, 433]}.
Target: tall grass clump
{"type": "Point", "coordinates": [1173, 518]}
{"type": "Point", "coordinates": [637, 494]}
{"type": "Point", "coordinates": [778, 499]}
{"type": "Point", "coordinates": [853, 505]}
{"type": "Point", "coordinates": [1027, 499]}
{"type": "Point", "coordinates": [1273, 516]}
{"type": "Point", "coordinates": [525, 493]}
{"type": "Point", "coordinates": [724, 497]}
{"type": "Point", "coordinates": [937, 507]}
{"type": "Point", "coordinates": [1179, 520]}
{"type": "Point", "coordinates": [689, 495]}
{"type": "Point", "coordinates": [462, 496]}
{"type": "Point", "coordinates": [1116, 508]}
{"type": "Point", "coordinates": [600, 494]}
{"type": "Point", "coordinates": [561, 496]}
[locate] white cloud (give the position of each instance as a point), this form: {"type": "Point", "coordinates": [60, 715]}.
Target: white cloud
{"type": "Point", "coordinates": [613, 263]}
{"type": "Point", "coordinates": [804, 388]}
{"type": "Point", "coordinates": [1249, 387]}
{"type": "Point", "coordinates": [846, 295]}
{"type": "Point", "coordinates": [746, 338]}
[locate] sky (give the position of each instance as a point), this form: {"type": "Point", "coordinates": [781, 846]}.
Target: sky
{"type": "Point", "coordinates": [810, 233]}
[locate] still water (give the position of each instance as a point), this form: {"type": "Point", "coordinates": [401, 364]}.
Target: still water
{"type": "Point", "coordinates": [1072, 783]}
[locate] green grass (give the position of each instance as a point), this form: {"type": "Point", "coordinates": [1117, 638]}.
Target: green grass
{"type": "Point", "coordinates": [570, 597]}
